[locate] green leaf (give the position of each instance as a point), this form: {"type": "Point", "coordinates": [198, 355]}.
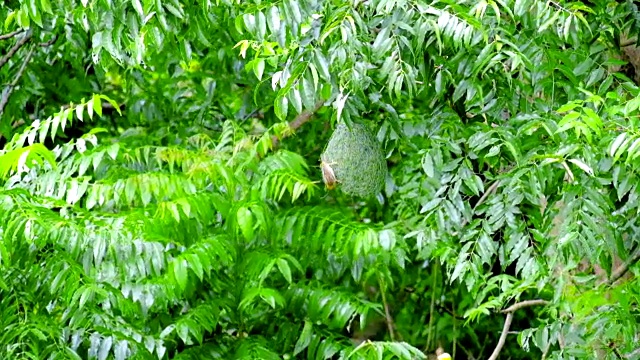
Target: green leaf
{"type": "Point", "coordinates": [245, 222]}
{"type": "Point", "coordinates": [296, 99]}
{"type": "Point", "coordinates": [180, 272]}
{"type": "Point", "coordinates": [304, 339]}
{"type": "Point", "coordinates": [46, 6]}
{"type": "Point", "coordinates": [96, 104]}
{"type": "Point", "coordinates": [550, 21]}
{"type": "Point", "coordinates": [616, 143]}
{"type": "Point", "coordinates": [105, 348]}
{"type": "Point", "coordinates": [271, 297]}
{"type": "Point", "coordinates": [258, 68]}
{"type": "Point", "coordinates": [285, 270]}
{"type": "Point", "coordinates": [196, 266]}
{"type": "Point", "coordinates": [34, 14]}
{"type": "Point", "coordinates": [138, 8]}
{"type": "Point", "coordinates": [274, 19]}
{"type": "Point", "coordinates": [281, 107]}
{"type": "Point", "coordinates": [569, 106]}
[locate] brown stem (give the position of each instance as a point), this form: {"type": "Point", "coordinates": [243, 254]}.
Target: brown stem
{"type": "Point", "coordinates": [486, 194]}
{"type": "Point", "coordinates": [507, 322]}
{"type": "Point", "coordinates": [524, 304]}
{"type": "Point", "coordinates": [622, 269]}
{"type": "Point", "coordinates": [432, 307]}
{"type": "Point", "coordinates": [20, 43]}
{"type": "Point", "coordinates": [10, 87]}
{"type": "Point", "coordinates": [627, 42]}
{"type": "Point", "coordinates": [615, 351]}
{"type": "Point", "coordinates": [387, 313]}
{"type": "Point", "coordinates": [50, 42]}
{"type": "Point", "coordinates": [11, 34]}
{"type": "Point", "coordinates": [558, 6]}
{"type": "Point", "coordinates": [300, 120]}
{"type": "Point", "coordinates": [546, 351]}
{"type": "Point", "coordinates": [490, 190]}
{"type": "Point", "coordinates": [503, 337]}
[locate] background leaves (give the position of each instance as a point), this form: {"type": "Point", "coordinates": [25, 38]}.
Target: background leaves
{"type": "Point", "coordinates": [161, 191]}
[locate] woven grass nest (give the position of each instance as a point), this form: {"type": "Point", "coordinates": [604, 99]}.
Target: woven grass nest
{"type": "Point", "coordinates": [353, 161]}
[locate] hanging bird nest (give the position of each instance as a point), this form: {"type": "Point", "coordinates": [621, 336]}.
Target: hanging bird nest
{"type": "Point", "coordinates": [353, 161]}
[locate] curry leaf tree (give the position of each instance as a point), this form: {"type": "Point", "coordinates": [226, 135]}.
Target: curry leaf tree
{"type": "Point", "coordinates": [162, 195]}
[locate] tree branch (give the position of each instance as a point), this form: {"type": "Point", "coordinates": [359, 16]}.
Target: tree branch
{"type": "Point", "coordinates": [622, 269]}
{"type": "Point", "coordinates": [50, 42]}
{"type": "Point", "coordinates": [490, 190]}
{"type": "Point", "coordinates": [507, 322]}
{"type": "Point", "coordinates": [387, 313]}
{"type": "Point", "coordinates": [11, 34]}
{"type": "Point", "coordinates": [9, 89]}
{"type": "Point", "coordinates": [434, 275]}
{"type": "Point", "coordinates": [300, 120]}
{"type": "Point", "coordinates": [503, 337]}
{"type": "Point", "coordinates": [524, 304]}
{"type": "Point", "coordinates": [20, 43]}
{"type": "Point", "coordinates": [6, 94]}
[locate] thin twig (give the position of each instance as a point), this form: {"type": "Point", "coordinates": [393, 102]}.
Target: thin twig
{"type": "Point", "coordinates": [507, 322]}
{"type": "Point", "coordinates": [455, 322]}
{"type": "Point", "coordinates": [486, 194]}
{"type": "Point", "coordinates": [50, 42]}
{"type": "Point", "coordinates": [624, 41]}
{"type": "Point", "coordinates": [628, 43]}
{"type": "Point", "coordinates": [387, 313]}
{"type": "Point", "coordinates": [558, 6]}
{"type": "Point", "coordinates": [622, 269]}
{"type": "Point", "coordinates": [546, 351]}
{"type": "Point", "coordinates": [11, 34]}
{"type": "Point", "coordinates": [490, 190]}
{"type": "Point", "coordinates": [20, 43]}
{"type": "Point", "coordinates": [484, 344]}
{"type": "Point", "coordinates": [503, 337]}
{"type": "Point", "coordinates": [615, 351]}
{"type": "Point", "coordinates": [470, 356]}
{"type": "Point", "coordinates": [524, 304]}
{"type": "Point", "coordinates": [432, 308]}
{"type": "Point", "coordinates": [10, 87]}
{"type": "Point", "coordinates": [300, 120]}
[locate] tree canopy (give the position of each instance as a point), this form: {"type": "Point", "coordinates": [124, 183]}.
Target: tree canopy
{"type": "Point", "coordinates": [162, 192]}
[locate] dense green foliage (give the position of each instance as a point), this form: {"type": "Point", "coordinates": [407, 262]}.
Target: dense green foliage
{"type": "Point", "coordinates": [161, 196]}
